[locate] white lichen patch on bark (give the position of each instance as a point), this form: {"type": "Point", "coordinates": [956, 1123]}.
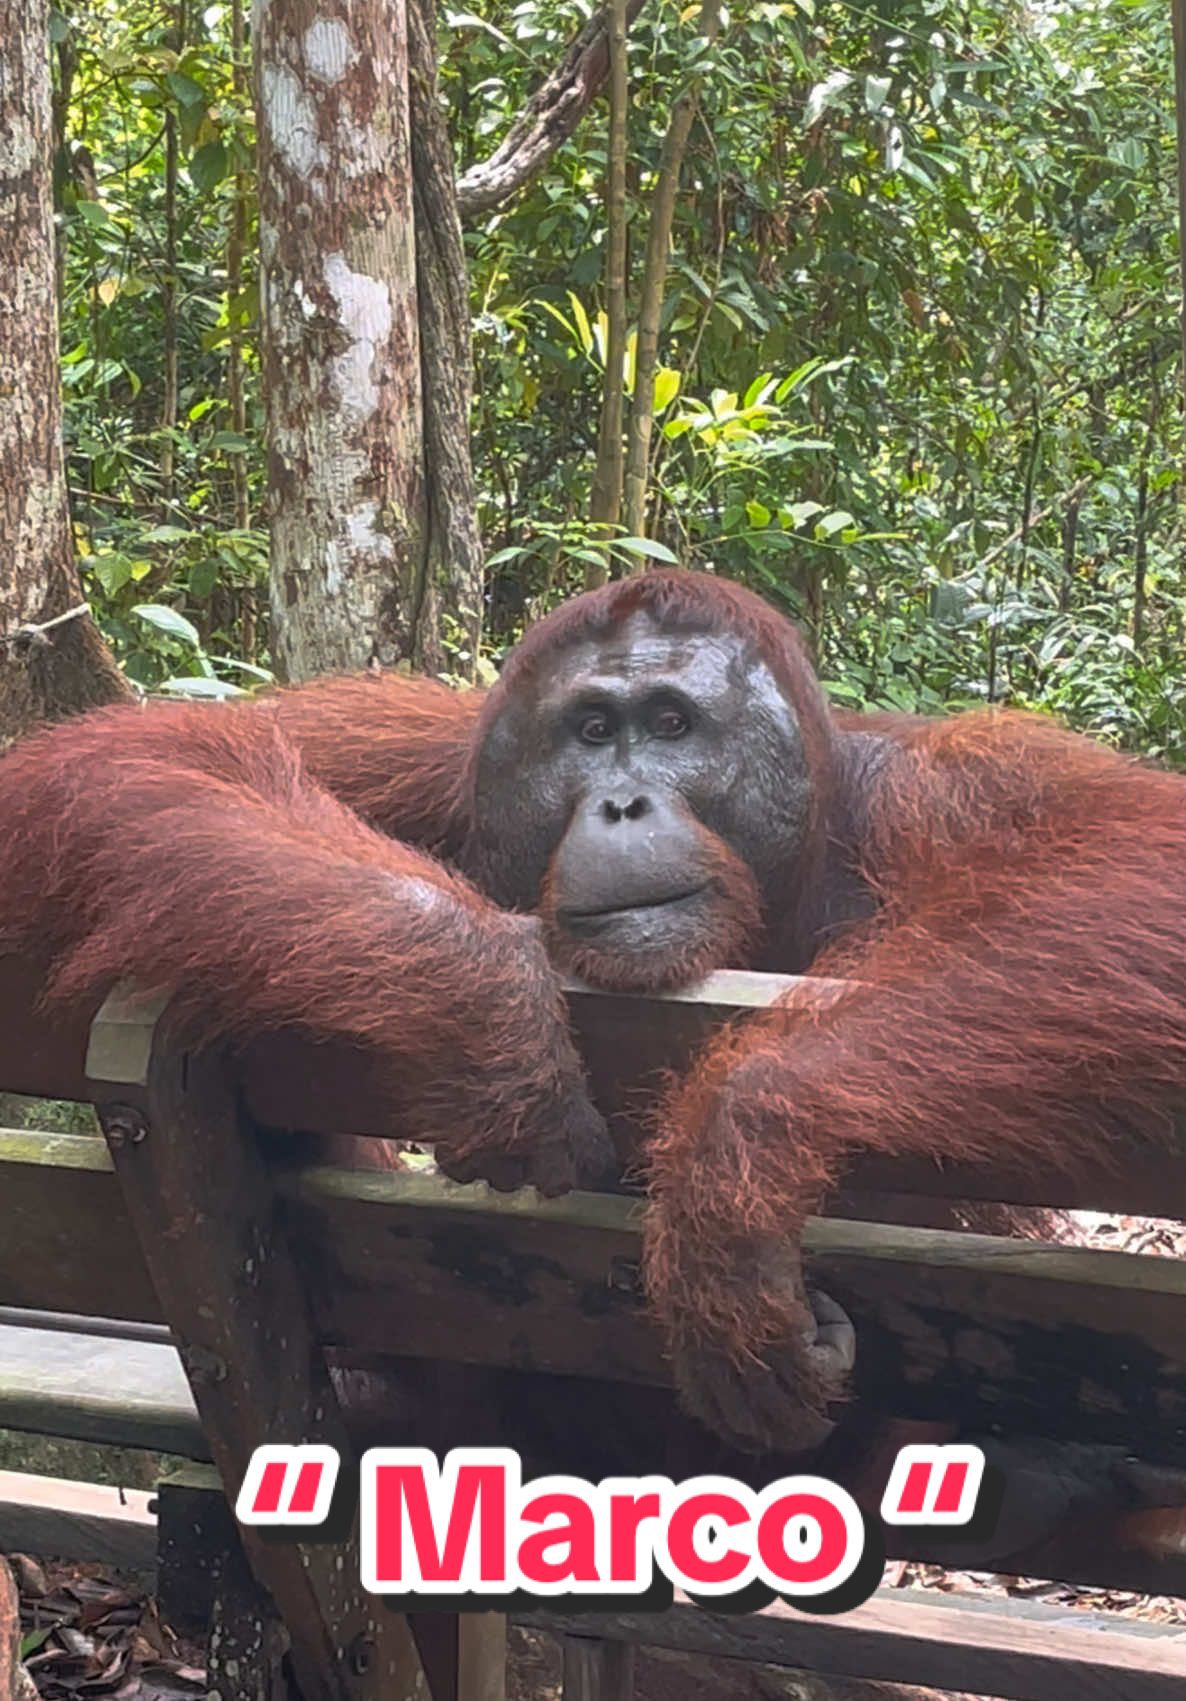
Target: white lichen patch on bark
{"type": "Point", "coordinates": [291, 116]}
{"type": "Point", "coordinates": [364, 313]}
{"type": "Point", "coordinates": [329, 50]}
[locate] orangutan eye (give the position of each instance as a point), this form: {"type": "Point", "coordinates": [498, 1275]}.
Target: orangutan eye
{"type": "Point", "coordinates": [596, 728]}
{"type": "Point", "coordinates": [670, 723]}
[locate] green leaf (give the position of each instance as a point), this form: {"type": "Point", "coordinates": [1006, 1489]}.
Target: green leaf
{"type": "Point", "coordinates": [249, 668]}
{"type": "Point", "coordinates": [667, 383]}
{"type": "Point", "coordinates": [230, 442]}
{"type": "Point", "coordinates": [168, 620]}
{"type": "Point", "coordinates": [648, 547]}
{"type": "Point", "coordinates": [184, 90]}
{"type": "Point", "coordinates": [876, 90]}
{"type": "Point", "coordinates": [824, 95]}
{"type": "Point", "coordinates": [208, 167]}
{"type": "Point", "coordinates": [216, 688]}
{"type": "Point", "coordinates": [799, 512]}
{"type": "Point", "coordinates": [584, 332]}
{"type": "Point", "coordinates": [837, 521]}
{"type": "Point", "coordinates": [166, 534]}
{"type": "Point", "coordinates": [202, 578]}
{"type": "Point", "coordinates": [113, 571]}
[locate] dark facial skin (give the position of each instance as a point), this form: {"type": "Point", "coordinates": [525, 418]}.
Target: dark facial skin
{"type": "Point", "coordinates": [650, 797]}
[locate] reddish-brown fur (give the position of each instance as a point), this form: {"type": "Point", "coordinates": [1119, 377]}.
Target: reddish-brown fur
{"type": "Point", "coordinates": [1022, 988]}
{"type": "Point", "coordinates": [1022, 993]}
{"type": "Point", "coordinates": [190, 852]}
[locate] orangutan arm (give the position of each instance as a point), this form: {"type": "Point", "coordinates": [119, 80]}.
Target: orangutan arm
{"type": "Point", "coordinates": [184, 850]}
{"type": "Point", "coordinates": [1024, 996]}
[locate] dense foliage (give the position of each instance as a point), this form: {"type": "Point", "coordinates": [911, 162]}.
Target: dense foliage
{"type": "Point", "coordinates": [921, 358]}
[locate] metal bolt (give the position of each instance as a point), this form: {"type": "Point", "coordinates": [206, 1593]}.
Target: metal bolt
{"type": "Point", "coordinates": [123, 1125]}
{"type": "Point", "coordinates": [360, 1654]}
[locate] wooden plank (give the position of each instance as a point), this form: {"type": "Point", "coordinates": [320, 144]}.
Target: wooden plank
{"type": "Point", "coordinates": [596, 1670]}
{"type": "Point", "coordinates": [1014, 1651]}
{"type": "Point", "coordinates": [67, 1242]}
{"type": "Point", "coordinates": [290, 1085]}
{"type": "Point", "coordinates": [1049, 1340]}
{"type": "Point", "coordinates": [1089, 1547]}
{"type": "Point", "coordinates": [60, 1519]}
{"type": "Point", "coordinates": [87, 1388]}
{"type": "Point", "coordinates": [204, 1212]}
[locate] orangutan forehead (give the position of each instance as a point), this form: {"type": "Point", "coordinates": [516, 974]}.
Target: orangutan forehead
{"type": "Point", "coordinates": [640, 652]}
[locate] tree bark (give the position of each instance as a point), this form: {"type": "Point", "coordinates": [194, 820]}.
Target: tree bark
{"type": "Point", "coordinates": [340, 336]}
{"type": "Point", "coordinates": [453, 569]}
{"type": "Point", "coordinates": [605, 505]}
{"type": "Point", "coordinates": [58, 669]}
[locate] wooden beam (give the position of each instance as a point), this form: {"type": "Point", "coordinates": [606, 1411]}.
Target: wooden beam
{"type": "Point", "coordinates": [1013, 1650]}
{"type": "Point", "coordinates": [204, 1213]}
{"type": "Point", "coordinates": [332, 1089]}
{"type": "Point", "coordinates": [87, 1388]}
{"type": "Point", "coordinates": [1044, 1340]}
{"type": "Point", "coordinates": [76, 1520]}
{"type": "Point", "coordinates": [597, 1670]}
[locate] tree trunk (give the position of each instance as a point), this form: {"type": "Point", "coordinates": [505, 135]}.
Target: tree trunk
{"type": "Point", "coordinates": [340, 337]}
{"type": "Point", "coordinates": [605, 503]}
{"type": "Point", "coordinates": [59, 668]}
{"type": "Point", "coordinates": [653, 292]}
{"type": "Point", "coordinates": [451, 605]}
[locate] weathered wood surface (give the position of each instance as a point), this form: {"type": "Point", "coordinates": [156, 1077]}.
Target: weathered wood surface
{"type": "Point", "coordinates": [77, 1520]}
{"type": "Point", "coordinates": [1016, 1651]}
{"type": "Point", "coordinates": [597, 1670]}
{"type": "Point", "coordinates": [291, 1085]}
{"type": "Point", "coordinates": [1042, 1339]}
{"type": "Point", "coordinates": [204, 1211]}
{"type": "Point", "coordinates": [122, 1393]}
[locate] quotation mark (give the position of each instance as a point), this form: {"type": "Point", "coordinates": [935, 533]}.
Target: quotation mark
{"type": "Point", "coordinates": [932, 1484]}
{"type": "Point", "coordinates": [288, 1485]}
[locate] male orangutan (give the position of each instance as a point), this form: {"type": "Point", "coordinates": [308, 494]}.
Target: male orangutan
{"type": "Point", "coordinates": [657, 778]}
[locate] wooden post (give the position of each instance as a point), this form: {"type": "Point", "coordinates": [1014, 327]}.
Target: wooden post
{"type": "Point", "coordinates": [205, 1214]}
{"type": "Point", "coordinates": [597, 1671]}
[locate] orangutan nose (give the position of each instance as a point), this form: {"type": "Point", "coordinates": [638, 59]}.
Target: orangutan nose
{"type": "Point", "coordinates": [613, 810]}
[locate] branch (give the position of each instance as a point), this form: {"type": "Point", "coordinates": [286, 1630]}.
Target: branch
{"type": "Point", "coordinates": [547, 121]}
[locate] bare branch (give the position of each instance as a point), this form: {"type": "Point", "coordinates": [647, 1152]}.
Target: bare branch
{"type": "Point", "coordinates": [547, 121]}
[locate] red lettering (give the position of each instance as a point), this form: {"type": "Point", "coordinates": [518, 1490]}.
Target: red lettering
{"type": "Point", "coordinates": [726, 1567]}
{"type": "Point", "coordinates": [397, 1486]}
{"type": "Point", "coordinates": [576, 1534]}
{"type": "Point", "coordinates": [820, 1536]}
{"type": "Point", "coordinates": [626, 1513]}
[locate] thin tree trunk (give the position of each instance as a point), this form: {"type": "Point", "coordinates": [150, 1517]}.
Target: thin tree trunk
{"type": "Point", "coordinates": [236, 254]}
{"type": "Point", "coordinates": [44, 669]}
{"type": "Point", "coordinates": [169, 290]}
{"type": "Point", "coordinates": [1178, 14]}
{"type": "Point", "coordinates": [605, 506]}
{"type": "Point", "coordinates": [451, 604]}
{"type": "Point", "coordinates": [340, 337]}
{"type": "Point", "coordinates": [654, 284]}
{"type": "Point", "coordinates": [1141, 541]}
